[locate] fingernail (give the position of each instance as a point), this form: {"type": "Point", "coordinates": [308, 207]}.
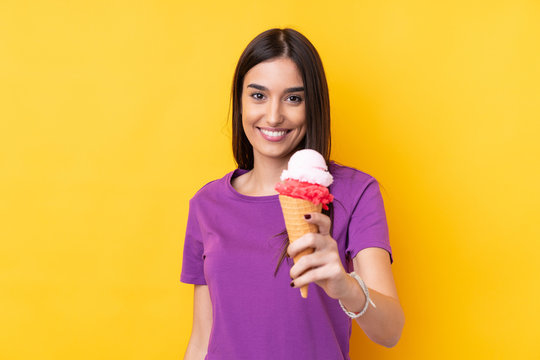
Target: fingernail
{"type": "Point", "coordinates": [307, 216]}
{"type": "Point", "coordinates": [292, 283]}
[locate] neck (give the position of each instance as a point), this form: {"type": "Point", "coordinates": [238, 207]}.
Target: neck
{"type": "Point", "coordinates": [265, 174]}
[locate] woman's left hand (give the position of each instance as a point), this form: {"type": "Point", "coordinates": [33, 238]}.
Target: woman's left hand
{"type": "Point", "coordinates": [323, 266]}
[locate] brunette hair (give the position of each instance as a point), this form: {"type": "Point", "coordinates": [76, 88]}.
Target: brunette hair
{"type": "Point", "coordinates": [289, 43]}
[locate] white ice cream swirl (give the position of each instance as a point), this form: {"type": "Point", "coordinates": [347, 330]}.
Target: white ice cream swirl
{"type": "Point", "coordinates": [308, 166]}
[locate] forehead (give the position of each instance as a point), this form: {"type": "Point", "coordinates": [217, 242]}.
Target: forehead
{"type": "Point", "coordinates": [275, 73]}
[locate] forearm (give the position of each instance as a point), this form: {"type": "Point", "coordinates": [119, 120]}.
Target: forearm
{"type": "Point", "coordinates": [382, 324]}
{"type": "Point", "coordinates": [195, 351]}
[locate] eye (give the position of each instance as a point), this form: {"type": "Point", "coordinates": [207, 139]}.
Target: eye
{"type": "Point", "coordinates": [257, 96]}
{"type": "Point", "coordinates": [295, 98]}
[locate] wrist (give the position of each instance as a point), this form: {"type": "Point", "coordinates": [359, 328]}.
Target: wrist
{"type": "Point", "coordinates": [350, 305]}
{"type": "Point", "coordinates": [353, 297]}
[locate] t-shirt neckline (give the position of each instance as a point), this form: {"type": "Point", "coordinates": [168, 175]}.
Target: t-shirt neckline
{"type": "Point", "coordinates": [237, 172]}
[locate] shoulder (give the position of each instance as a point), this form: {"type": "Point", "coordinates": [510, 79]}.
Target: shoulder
{"type": "Point", "coordinates": [212, 189]}
{"type": "Point", "coordinates": [352, 186]}
{"type": "Point", "coordinates": [349, 177]}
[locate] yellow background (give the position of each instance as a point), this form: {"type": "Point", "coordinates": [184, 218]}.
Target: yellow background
{"type": "Point", "coordinates": [113, 113]}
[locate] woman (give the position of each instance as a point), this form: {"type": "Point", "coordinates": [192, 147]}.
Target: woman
{"type": "Point", "coordinates": [243, 309]}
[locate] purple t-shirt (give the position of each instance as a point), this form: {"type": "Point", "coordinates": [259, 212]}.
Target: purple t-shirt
{"type": "Point", "coordinates": [231, 246]}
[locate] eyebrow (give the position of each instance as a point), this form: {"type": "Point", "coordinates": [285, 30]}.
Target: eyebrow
{"type": "Point", "coordinates": [264, 88]}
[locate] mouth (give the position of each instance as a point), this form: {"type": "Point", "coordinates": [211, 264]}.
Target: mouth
{"type": "Point", "coordinates": [273, 134]}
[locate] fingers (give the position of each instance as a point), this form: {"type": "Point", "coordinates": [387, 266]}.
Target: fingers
{"type": "Point", "coordinates": [309, 240]}
{"type": "Point", "coordinates": [322, 273]}
{"type": "Point", "coordinates": [321, 220]}
{"type": "Point", "coordinates": [314, 260]}
{"type": "Point", "coordinates": [305, 263]}
{"type": "Point", "coordinates": [309, 276]}
{"type": "Point", "coordinates": [324, 262]}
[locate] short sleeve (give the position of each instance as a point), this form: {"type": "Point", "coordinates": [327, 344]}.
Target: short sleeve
{"type": "Point", "coordinates": [368, 226]}
{"type": "Point", "coordinates": [193, 260]}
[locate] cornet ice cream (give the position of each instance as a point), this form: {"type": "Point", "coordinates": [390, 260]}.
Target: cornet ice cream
{"type": "Point", "coordinates": [303, 189]}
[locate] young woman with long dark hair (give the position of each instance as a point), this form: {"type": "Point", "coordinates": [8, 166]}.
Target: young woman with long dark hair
{"type": "Point", "coordinates": [246, 299]}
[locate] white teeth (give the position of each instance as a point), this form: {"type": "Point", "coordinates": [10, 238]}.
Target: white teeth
{"type": "Point", "coordinates": [273, 133]}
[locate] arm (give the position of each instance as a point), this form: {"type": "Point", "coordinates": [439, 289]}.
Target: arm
{"type": "Point", "coordinates": [202, 324]}
{"type": "Point", "coordinates": [384, 323]}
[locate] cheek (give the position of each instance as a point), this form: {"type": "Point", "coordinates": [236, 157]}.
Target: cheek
{"type": "Point", "coordinates": [299, 116]}
{"type": "Point", "coordinates": [249, 117]}
{"type": "Point", "coordinates": [250, 113]}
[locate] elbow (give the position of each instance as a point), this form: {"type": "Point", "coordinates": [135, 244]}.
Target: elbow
{"type": "Point", "coordinates": [390, 342]}
{"type": "Point", "coordinates": [393, 334]}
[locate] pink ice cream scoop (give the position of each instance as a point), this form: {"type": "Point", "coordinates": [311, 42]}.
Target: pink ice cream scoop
{"type": "Point", "coordinates": [307, 178]}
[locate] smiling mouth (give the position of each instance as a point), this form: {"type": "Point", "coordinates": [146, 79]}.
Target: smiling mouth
{"type": "Point", "coordinates": [274, 134]}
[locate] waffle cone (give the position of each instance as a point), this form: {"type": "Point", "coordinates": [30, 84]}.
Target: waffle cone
{"type": "Point", "coordinates": [293, 212]}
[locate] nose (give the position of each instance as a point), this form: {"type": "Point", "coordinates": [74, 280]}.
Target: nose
{"type": "Point", "coordinates": [274, 114]}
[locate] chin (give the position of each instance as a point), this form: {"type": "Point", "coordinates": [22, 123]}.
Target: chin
{"type": "Point", "coordinates": [277, 154]}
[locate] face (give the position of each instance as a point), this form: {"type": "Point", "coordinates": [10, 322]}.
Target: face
{"type": "Point", "coordinates": [273, 108]}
